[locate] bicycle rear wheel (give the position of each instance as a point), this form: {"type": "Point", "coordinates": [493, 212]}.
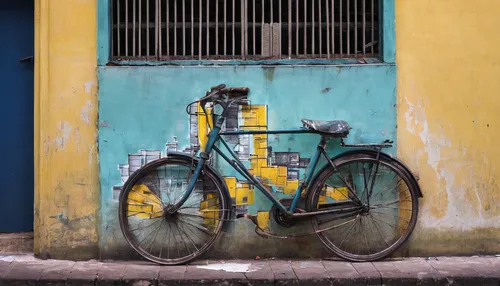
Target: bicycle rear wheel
{"type": "Point", "coordinates": [387, 200]}
{"type": "Point", "coordinates": [176, 238]}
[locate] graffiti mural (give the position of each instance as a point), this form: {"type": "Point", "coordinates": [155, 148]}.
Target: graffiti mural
{"type": "Point", "coordinates": [279, 171]}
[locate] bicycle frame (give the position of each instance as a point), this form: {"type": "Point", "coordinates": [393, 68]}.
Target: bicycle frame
{"type": "Point", "coordinates": [215, 135]}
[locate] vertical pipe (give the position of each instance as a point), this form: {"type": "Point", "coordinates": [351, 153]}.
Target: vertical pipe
{"type": "Point", "coordinates": [184, 28]}
{"type": "Point", "coordinates": [333, 28]}
{"type": "Point", "coordinates": [279, 10]}
{"type": "Point", "coordinates": [225, 27]}
{"type": "Point", "coordinates": [262, 28]}
{"type": "Point", "coordinates": [355, 27]}
{"type": "Point", "coordinates": [254, 10]}
{"type": "Point", "coordinates": [159, 34]}
{"type": "Point", "coordinates": [216, 28]}
{"type": "Point", "coordinates": [126, 28]}
{"type": "Point", "coordinates": [272, 11]}
{"type": "Point", "coordinates": [348, 27]}
{"type": "Point", "coordinates": [297, 27]}
{"type": "Point", "coordinates": [364, 27]}
{"type": "Point", "coordinates": [320, 29]}
{"type": "Point", "coordinates": [305, 27]}
{"type": "Point", "coordinates": [133, 26]}
{"type": "Point", "coordinates": [140, 28]}
{"type": "Point", "coordinates": [157, 28]}
{"type": "Point", "coordinates": [233, 38]}
{"type": "Point", "coordinates": [192, 29]}
{"type": "Point", "coordinates": [341, 20]}
{"type": "Point", "coordinates": [208, 28]}
{"type": "Point", "coordinates": [313, 28]}
{"type": "Point", "coordinates": [147, 28]}
{"type": "Point", "coordinates": [175, 28]}
{"type": "Point", "coordinates": [118, 24]}
{"type": "Point", "coordinates": [246, 28]}
{"type": "Point", "coordinates": [199, 30]}
{"type": "Point", "coordinates": [112, 41]}
{"type": "Point", "coordinates": [242, 28]}
{"type": "Point", "coordinates": [290, 29]}
{"type": "Point", "coordinates": [167, 26]}
{"type": "Point", "coordinates": [328, 29]}
{"type": "Point", "coordinates": [373, 27]}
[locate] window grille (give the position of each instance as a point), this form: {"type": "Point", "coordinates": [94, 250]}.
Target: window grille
{"type": "Point", "coordinates": [244, 29]}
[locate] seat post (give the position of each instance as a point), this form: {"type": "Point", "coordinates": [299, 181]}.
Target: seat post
{"type": "Point", "coordinates": [322, 142]}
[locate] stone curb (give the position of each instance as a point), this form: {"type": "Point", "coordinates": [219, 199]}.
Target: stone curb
{"type": "Point", "coordinates": [414, 271]}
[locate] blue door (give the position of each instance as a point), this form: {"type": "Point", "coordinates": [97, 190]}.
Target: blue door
{"type": "Point", "coordinates": [16, 115]}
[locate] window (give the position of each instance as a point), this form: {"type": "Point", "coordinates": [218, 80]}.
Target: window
{"type": "Point", "coordinates": [244, 29]}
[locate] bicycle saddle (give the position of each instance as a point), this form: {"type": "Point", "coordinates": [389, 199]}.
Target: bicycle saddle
{"type": "Point", "coordinates": [336, 128]}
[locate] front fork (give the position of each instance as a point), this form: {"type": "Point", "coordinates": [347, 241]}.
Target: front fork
{"type": "Point", "coordinates": [204, 156]}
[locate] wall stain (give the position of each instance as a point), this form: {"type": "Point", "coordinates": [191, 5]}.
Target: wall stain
{"type": "Point", "coordinates": [269, 73]}
{"type": "Point", "coordinates": [326, 89]}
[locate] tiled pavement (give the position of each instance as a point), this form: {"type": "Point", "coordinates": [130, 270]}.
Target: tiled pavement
{"type": "Point", "coordinates": [27, 270]}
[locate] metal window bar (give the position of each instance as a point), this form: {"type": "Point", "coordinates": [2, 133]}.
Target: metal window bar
{"type": "Point", "coordinates": [244, 29]}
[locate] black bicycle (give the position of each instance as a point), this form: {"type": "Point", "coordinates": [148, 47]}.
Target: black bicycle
{"type": "Point", "coordinates": [363, 203]}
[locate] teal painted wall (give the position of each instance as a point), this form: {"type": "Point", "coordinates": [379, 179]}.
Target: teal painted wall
{"type": "Point", "coordinates": [144, 107]}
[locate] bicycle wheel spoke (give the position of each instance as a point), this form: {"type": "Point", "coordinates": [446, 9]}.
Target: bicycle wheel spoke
{"type": "Point", "coordinates": [199, 227]}
{"type": "Point", "coordinates": [366, 242]}
{"type": "Point", "coordinates": [148, 198]}
{"type": "Point", "coordinates": [378, 230]}
{"type": "Point", "coordinates": [154, 236]}
{"type": "Point", "coordinates": [343, 239]}
{"type": "Point", "coordinates": [171, 237]}
{"type": "Point", "coordinates": [147, 236]}
{"type": "Point", "coordinates": [154, 222]}
{"type": "Point", "coordinates": [385, 220]}
{"type": "Point", "coordinates": [189, 238]}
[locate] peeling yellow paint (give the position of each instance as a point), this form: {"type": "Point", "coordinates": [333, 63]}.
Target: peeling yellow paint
{"type": "Point", "coordinates": [448, 103]}
{"type": "Point", "coordinates": [66, 173]}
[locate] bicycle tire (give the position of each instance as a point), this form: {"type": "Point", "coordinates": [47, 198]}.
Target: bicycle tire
{"type": "Point", "coordinates": [124, 211]}
{"type": "Point", "coordinates": [363, 157]}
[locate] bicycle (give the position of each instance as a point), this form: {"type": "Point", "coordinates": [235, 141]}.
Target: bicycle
{"type": "Point", "coordinates": [194, 207]}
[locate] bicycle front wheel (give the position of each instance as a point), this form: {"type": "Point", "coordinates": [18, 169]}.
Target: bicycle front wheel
{"type": "Point", "coordinates": [385, 198]}
{"type": "Point", "coordinates": [171, 238]}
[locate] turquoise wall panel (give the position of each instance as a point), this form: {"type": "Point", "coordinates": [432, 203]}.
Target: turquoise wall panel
{"type": "Point", "coordinates": [143, 107]}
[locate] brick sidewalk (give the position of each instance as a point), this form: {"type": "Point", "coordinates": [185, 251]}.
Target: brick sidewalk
{"type": "Point", "coordinates": [26, 270]}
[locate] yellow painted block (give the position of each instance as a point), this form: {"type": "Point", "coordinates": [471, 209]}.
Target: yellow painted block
{"type": "Point", "coordinates": [281, 181]}
{"type": "Point", "coordinates": [241, 195]}
{"type": "Point", "coordinates": [251, 197]}
{"type": "Point", "coordinates": [270, 173]}
{"type": "Point", "coordinates": [210, 213]}
{"type": "Point", "coordinates": [261, 152]}
{"type": "Point", "coordinates": [202, 128]}
{"type": "Point", "coordinates": [263, 219]}
{"type": "Point", "coordinates": [231, 185]}
{"type": "Point", "coordinates": [261, 114]}
{"type": "Point", "coordinates": [322, 200]}
{"type": "Point", "coordinates": [250, 121]}
{"type": "Point", "coordinates": [265, 172]}
{"type": "Point", "coordinates": [282, 171]}
{"type": "Point", "coordinates": [338, 194]}
{"type": "Point", "coordinates": [291, 186]}
{"type": "Point", "coordinates": [143, 203]}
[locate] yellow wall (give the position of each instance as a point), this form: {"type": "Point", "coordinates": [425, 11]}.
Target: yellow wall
{"type": "Point", "coordinates": [448, 120]}
{"type": "Point", "coordinates": [66, 173]}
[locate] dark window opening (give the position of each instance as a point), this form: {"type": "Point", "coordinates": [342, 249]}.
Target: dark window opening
{"type": "Point", "coordinates": [244, 29]}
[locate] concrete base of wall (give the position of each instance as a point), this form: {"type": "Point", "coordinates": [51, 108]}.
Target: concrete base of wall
{"type": "Point", "coordinates": [16, 242]}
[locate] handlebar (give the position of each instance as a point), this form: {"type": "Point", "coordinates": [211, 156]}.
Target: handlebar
{"type": "Point", "coordinates": [235, 95]}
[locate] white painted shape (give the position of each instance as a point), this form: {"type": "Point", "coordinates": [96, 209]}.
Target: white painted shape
{"type": "Point", "coordinates": [88, 86]}
{"type": "Point", "coordinates": [230, 267]}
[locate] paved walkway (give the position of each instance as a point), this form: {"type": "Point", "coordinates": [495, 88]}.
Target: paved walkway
{"type": "Point", "coordinates": [26, 270]}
